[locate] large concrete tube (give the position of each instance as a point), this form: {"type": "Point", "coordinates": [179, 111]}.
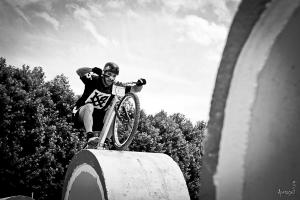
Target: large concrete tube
{"type": "Point", "coordinates": [252, 148]}
{"type": "Point", "coordinates": [115, 175]}
{"type": "Point", "coordinates": [19, 197]}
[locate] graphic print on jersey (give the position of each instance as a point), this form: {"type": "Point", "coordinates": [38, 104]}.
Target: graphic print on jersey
{"type": "Point", "coordinates": [98, 99]}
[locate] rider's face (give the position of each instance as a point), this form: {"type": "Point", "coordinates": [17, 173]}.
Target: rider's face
{"type": "Point", "coordinates": [109, 78]}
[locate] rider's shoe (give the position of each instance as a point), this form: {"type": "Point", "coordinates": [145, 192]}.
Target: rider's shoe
{"type": "Point", "coordinates": [102, 148]}
{"type": "Point", "coordinates": [92, 143]}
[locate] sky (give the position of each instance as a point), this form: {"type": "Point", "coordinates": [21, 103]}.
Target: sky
{"type": "Point", "coordinates": [176, 45]}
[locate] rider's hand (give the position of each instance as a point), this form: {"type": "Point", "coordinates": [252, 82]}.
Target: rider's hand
{"type": "Point", "coordinates": [141, 82]}
{"type": "Point", "coordinates": [97, 71]}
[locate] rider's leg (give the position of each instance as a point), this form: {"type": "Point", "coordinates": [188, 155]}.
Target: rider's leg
{"type": "Point", "coordinates": [86, 116]}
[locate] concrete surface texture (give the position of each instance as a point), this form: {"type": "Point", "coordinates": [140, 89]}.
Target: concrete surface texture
{"type": "Point", "coordinates": [19, 197]}
{"type": "Point", "coordinates": [252, 148]}
{"type": "Point", "coordinates": [112, 175]}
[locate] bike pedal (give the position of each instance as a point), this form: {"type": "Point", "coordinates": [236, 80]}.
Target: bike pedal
{"type": "Point", "coordinates": [92, 143]}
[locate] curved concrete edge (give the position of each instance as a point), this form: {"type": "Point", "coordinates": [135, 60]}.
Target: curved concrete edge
{"type": "Point", "coordinates": [84, 165]}
{"type": "Point", "coordinates": [124, 175]}
{"type": "Point", "coordinates": [247, 15]}
{"type": "Point", "coordinates": [242, 96]}
{"type": "Point", "coordinates": [254, 31]}
{"type": "Point", "coordinates": [19, 197]}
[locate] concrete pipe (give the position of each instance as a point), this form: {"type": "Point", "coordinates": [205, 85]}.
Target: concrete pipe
{"type": "Point", "coordinates": [115, 175]}
{"type": "Point", "coordinates": [19, 197]}
{"type": "Point", "coordinates": [253, 142]}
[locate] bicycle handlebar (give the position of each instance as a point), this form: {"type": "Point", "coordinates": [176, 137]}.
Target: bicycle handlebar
{"type": "Point", "coordinates": [126, 84]}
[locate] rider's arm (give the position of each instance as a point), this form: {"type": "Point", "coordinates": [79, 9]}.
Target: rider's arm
{"type": "Point", "coordinates": [83, 71]}
{"type": "Point", "coordinates": [86, 75]}
{"type": "Point", "coordinates": [139, 85]}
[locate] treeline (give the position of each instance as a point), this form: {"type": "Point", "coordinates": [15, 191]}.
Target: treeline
{"type": "Point", "coordinates": [37, 138]}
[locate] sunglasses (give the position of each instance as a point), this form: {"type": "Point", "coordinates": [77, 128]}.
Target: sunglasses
{"type": "Point", "coordinates": [110, 75]}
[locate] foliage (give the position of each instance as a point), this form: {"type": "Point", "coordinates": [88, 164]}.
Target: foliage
{"type": "Point", "coordinates": [37, 138]}
{"type": "Point", "coordinates": [177, 137]}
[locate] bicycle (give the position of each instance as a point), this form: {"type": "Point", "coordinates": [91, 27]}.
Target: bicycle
{"type": "Point", "coordinates": [122, 116]}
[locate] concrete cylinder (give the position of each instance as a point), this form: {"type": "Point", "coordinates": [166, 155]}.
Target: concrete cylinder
{"type": "Point", "coordinates": [253, 144]}
{"type": "Point", "coordinates": [115, 175]}
{"type": "Point", "coordinates": [19, 197]}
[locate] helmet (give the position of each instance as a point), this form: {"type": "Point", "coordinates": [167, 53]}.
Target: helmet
{"type": "Point", "coordinates": [111, 67]}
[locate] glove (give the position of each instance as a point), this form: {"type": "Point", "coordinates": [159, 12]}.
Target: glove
{"type": "Point", "coordinates": [141, 82]}
{"type": "Point", "coordinates": [97, 71]}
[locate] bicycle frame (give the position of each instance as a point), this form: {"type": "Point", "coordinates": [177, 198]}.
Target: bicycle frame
{"type": "Point", "coordinates": [110, 115]}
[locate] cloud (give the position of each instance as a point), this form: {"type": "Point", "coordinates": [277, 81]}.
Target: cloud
{"type": "Point", "coordinates": [174, 4]}
{"type": "Point", "coordinates": [22, 14]}
{"type": "Point", "coordinates": [22, 3]}
{"type": "Point", "coordinates": [221, 10]}
{"type": "Point", "coordinates": [85, 18]}
{"type": "Point", "coordinates": [24, 9]}
{"type": "Point", "coordinates": [49, 19]}
{"type": "Point", "coordinates": [217, 7]}
{"type": "Point", "coordinates": [144, 1]}
{"type": "Point", "coordinates": [132, 14]}
{"type": "Point", "coordinates": [93, 30]}
{"type": "Point", "coordinates": [95, 10]}
{"type": "Point", "coordinates": [115, 4]}
{"type": "Point", "coordinates": [17, 7]}
{"type": "Point", "coordinates": [199, 30]}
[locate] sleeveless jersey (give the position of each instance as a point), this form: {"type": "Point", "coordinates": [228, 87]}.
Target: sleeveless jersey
{"type": "Point", "coordinates": [96, 93]}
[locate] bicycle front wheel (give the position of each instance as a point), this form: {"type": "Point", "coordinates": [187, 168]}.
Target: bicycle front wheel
{"type": "Point", "coordinates": [126, 121]}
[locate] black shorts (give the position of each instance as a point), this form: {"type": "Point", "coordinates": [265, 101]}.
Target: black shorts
{"type": "Point", "coordinates": [98, 117]}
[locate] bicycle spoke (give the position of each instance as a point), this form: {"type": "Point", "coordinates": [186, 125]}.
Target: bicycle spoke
{"type": "Point", "coordinates": [126, 116]}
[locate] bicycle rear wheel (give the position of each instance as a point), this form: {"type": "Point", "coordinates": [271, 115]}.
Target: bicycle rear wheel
{"type": "Point", "coordinates": [126, 121]}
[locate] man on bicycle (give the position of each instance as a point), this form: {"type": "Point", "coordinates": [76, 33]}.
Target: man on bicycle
{"type": "Point", "coordinates": [91, 107]}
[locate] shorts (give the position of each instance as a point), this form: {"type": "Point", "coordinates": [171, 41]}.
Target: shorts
{"type": "Point", "coordinates": [98, 117]}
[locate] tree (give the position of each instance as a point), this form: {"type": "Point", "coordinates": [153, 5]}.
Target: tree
{"type": "Point", "coordinates": [177, 137]}
{"type": "Point", "coordinates": [37, 139]}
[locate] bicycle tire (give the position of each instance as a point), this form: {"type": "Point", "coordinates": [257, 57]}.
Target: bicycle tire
{"type": "Point", "coordinates": [117, 121]}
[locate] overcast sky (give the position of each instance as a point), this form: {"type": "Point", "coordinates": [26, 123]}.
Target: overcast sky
{"type": "Point", "coordinates": [175, 44]}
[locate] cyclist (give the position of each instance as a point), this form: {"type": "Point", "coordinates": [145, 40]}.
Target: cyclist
{"type": "Point", "coordinates": [90, 109]}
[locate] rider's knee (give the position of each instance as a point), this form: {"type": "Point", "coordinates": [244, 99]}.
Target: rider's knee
{"type": "Point", "coordinates": [88, 108]}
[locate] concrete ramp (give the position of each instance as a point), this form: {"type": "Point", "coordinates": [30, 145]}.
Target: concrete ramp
{"type": "Point", "coordinates": [115, 175]}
